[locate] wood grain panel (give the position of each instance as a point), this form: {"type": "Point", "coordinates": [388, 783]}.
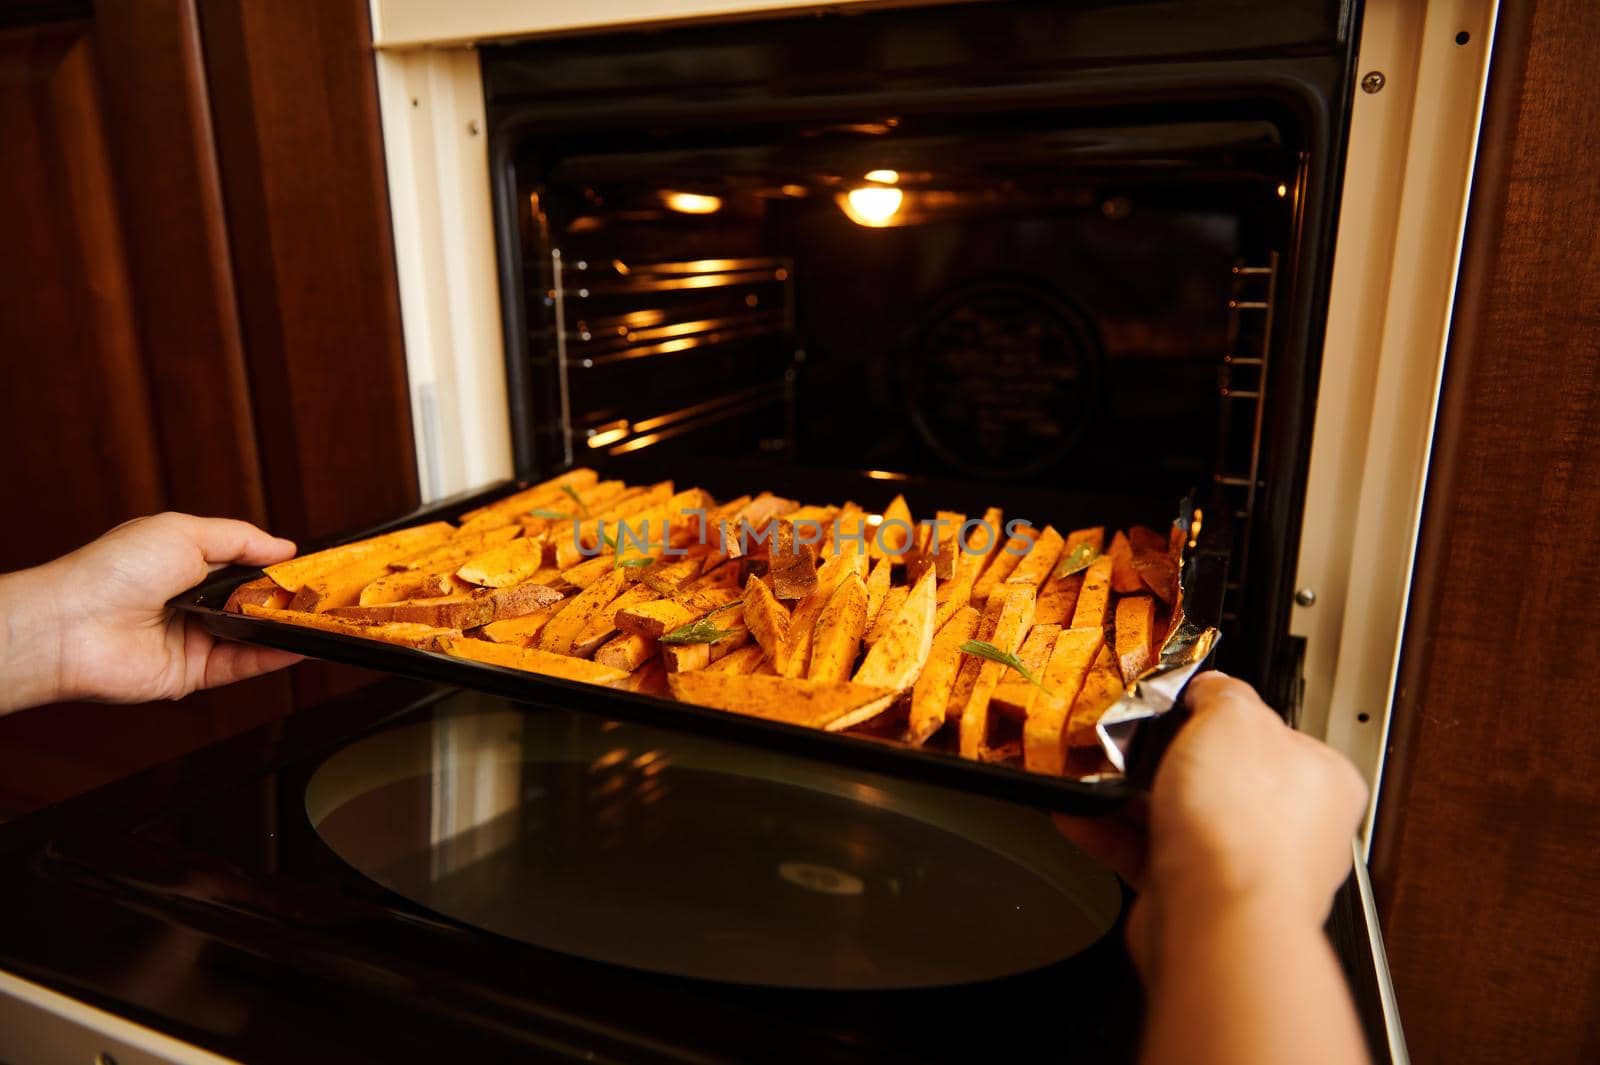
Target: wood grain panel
{"type": "Point", "coordinates": [81, 449]}
{"type": "Point", "coordinates": [294, 103]}
{"type": "Point", "coordinates": [1487, 851]}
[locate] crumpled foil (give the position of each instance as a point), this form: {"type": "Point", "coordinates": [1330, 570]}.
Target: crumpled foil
{"type": "Point", "coordinates": [1183, 652]}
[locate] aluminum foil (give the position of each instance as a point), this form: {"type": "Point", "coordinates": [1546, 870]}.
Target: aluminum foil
{"type": "Point", "coordinates": [1186, 648]}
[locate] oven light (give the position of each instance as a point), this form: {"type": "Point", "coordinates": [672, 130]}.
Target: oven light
{"type": "Point", "coordinates": [883, 177]}
{"type": "Point", "coordinates": [872, 205]}
{"type": "Point", "coordinates": [1283, 190]}
{"type": "Point", "coordinates": [691, 202]}
{"type": "Point", "coordinates": [885, 475]}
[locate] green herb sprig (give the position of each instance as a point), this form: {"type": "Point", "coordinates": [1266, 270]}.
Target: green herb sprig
{"type": "Point", "coordinates": [1078, 559]}
{"type": "Point", "coordinates": [703, 631]}
{"type": "Point", "coordinates": [983, 649]}
{"type": "Point", "coordinates": [549, 515]}
{"type": "Point", "coordinates": [576, 498]}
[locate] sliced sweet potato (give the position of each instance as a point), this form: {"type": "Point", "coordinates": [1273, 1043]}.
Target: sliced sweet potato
{"type": "Point", "coordinates": [796, 646]}
{"type": "Point", "coordinates": [877, 584]}
{"type": "Point", "coordinates": [1094, 599]}
{"type": "Point", "coordinates": [470, 610]}
{"type": "Point", "coordinates": [535, 660]}
{"type": "Point", "coordinates": [659, 617]}
{"type": "Point", "coordinates": [1058, 600]}
{"type": "Point", "coordinates": [765, 617]}
{"type": "Point", "coordinates": [263, 591]}
{"type": "Point", "coordinates": [1003, 562]}
{"type": "Point", "coordinates": [626, 651]}
{"type": "Point", "coordinates": [931, 694]}
{"type": "Point", "coordinates": [836, 636]}
{"type": "Point", "coordinates": [424, 637]}
{"type": "Point", "coordinates": [1013, 695]}
{"type": "Point", "coordinates": [892, 537]}
{"type": "Point", "coordinates": [523, 630]}
{"type": "Point", "coordinates": [456, 550]}
{"type": "Point", "coordinates": [1101, 689]}
{"type": "Point", "coordinates": [1016, 615]}
{"type": "Point", "coordinates": [578, 478]}
{"type": "Point", "coordinates": [1124, 578]}
{"type": "Point", "coordinates": [792, 564]}
{"type": "Point", "coordinates": [1135, 635]}
{"type": "Point", "coordinates": [562, 631]}
{"type": "Point", "coordinates": [685, 657]}
{"type": "Point", "coordinates": [504, 564]}
{"type": "Point", "coordinates": [602, 624]}
{"type": "Point", "coordinates": [297, 573]}
{"type": "Point", "coordinates": [897, 658]}
{"type": "Point", "coordinates": [398, 586]}
{"type": "Point", "coordinates": [893, 600]}
{"type": "Point", "coordinates": [828, 704]}
{"type": "Point", "coordinates": [744, 660]}
{"type": "Point", "coordinates": [971, 665]}
{"type": "Point", "coordinates": [1040, 563]}
{"type": "Point", "coordinates": [1044, 731]}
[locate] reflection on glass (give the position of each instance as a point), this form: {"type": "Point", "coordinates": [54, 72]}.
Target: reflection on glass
{"type": "Point", "coordinates": [883, 177]}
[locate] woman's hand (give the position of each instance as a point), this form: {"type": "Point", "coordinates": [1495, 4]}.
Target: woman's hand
{"type": "Point", "coordinates": [1236, 857]}
{"type": "Point", "coordinates": [95, 624]}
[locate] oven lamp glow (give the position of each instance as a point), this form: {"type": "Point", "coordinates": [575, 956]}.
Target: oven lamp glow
{"type": "Point", "coordinates": [1283, 190]}
{"type": "Point", "coordinates": [691, 202]}
{"type": "Point", "coordinates": [883, 177]}
{"type": "Point", "coordinates": [872, 205]}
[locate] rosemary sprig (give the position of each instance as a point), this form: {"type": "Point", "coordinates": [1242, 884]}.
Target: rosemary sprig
{"type": "Point", "coordinates": [549, 515]}
{"type": "Point", "coordinates": [1078, 559]}
{"type": "Point", "coordinates": [703, 631]}
{"type": "Point", "coordinates": [725, 606]}
{"type": "Point", "coordinates": [633, 563]}
{"type": "Point", "coordinates": [983, 649]}
{"type": "Point", "coordinates": [576, 498]}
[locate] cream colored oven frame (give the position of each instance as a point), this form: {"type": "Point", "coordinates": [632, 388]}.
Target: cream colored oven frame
{"type": "Point", "coordinates": [1413, 137]}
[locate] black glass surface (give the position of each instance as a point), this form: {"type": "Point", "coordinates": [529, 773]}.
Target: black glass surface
{"type": "Point", "coordinates": [202, 899]}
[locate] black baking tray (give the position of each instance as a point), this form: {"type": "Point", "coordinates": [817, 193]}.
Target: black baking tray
{"type": "Point", "coordinates": [1203, 576]}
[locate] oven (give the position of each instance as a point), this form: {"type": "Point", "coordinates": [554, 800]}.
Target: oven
{"type": "Point", "coordinates": [1080, 260]}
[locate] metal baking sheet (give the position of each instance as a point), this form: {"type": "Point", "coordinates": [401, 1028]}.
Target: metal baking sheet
{"type": "Point", "coordinates": [1203, 573]}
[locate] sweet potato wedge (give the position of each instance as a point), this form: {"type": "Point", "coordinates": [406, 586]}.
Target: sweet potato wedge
{"type": "Point", "coordinates": [1101, 688]}
{"type": "Point", "coordinates": [686, 657]}
{"type": "Point", "coordinates": [792, 565]}
{"type": "Point", "coordinates": [893, 536]}
{"type": "Point", "coordinates": [398, 586]}
{"type": "Point", "coordinates": [1003, 562]}
{"type": "Point", "coordinates": [562, 631]}
{"type": "Point", "coordinates": [424, 637]}
{"type": "Point", "coordinates": [931, 694]}
{"type": "Point", "coordinates": [766, 618]}
{"type": "Point", "coordinates": [896, 660]}
{"type": "Point", "coordinates": [877, 585]}
{"type": "Point", "coordinates": [1058, 600]}
{"type": "Point", "coordinates": [1013, 695]}
{"type": "Point", "coordinates": [1044, 731]}
{"type": "Point", "coordinates": [971, 665]}
{"type": "Point", "coordinates": [523, 630]}
{"type": "Point", "coordinates": [534, 660]}
{"type": "Point", "coordinates": [626, 651]}
{"type": "Point", "coordinates": [263, 591]}
{"type": "Point", "coordinates": [297, 573]}
{"type": "Point", "coordinates": [578, 478]}
{"type": "Point", "coordinates": [1016, 615]}
{"type": "Point", "coordinates": [602, 624]}
{"type": "Point", "coordinates": [1094, 599]}
{"type": "Point", "coordinates": [745, 660]}
{"type": "Point", "coordinates": [659, 617]}
{"type": "Point", "coordinates": [796, 646]}
{"type": "Point", "coordinates": [1040, 563]}
{"type": "Point", "coordinates": [504, 564]}
{"type": "Point", "coordinates": [456, 550]}
{"type": "Point", "coordinates": [469, 610]}
{"type": "Point", "coordinates": [893, 600]}
{"type": "Point", "coordinates": [796, 701]}
{"type": "Point", "coordinates": [836, 636]}
{"type": "Point", "coordinates": [1124, 578]}
{"type": "Point", "coordinates": [1135, 635]}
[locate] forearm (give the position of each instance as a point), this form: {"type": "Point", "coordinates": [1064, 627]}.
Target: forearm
{"type": "Point", "coordinates": [30, 642]}
{"type": "Point", "coordinates": [1245, 983]}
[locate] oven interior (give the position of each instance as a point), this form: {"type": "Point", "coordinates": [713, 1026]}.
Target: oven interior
{"type": "Point", "coordinates": [976, 286]}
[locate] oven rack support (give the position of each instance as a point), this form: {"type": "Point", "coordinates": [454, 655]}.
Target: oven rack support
{"type": "Point", "coordinates": [597, 323]}
{"type": "Point", "coordinates": [1242, 388]}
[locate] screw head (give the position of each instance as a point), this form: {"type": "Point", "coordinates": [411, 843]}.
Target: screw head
{"type": "Point", "coordinates": [1305, 597]}
{"type": "Point", "coordinates": [1373, 82]}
